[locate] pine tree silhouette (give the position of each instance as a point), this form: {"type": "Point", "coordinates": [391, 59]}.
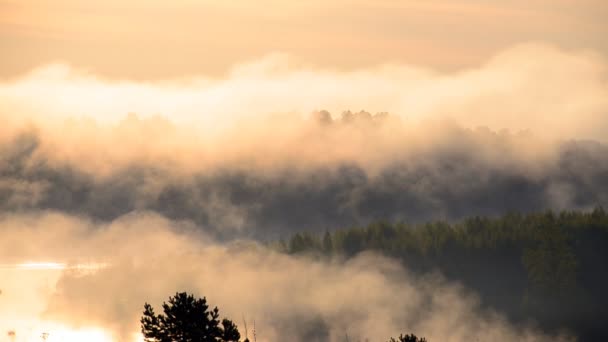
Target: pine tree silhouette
{"type": "Point", "coordinates": [187, 319]}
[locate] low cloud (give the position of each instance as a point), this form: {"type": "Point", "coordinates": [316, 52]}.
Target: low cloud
{"type": "Point", "coordinates": [339, 173]}
{"type": "Point", "coordinates": [296, 299]}
{"type": "Point", "coordinates": [553, 92]}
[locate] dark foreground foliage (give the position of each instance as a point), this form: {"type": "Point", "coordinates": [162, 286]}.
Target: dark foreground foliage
{"type": "Point", "coordinates": [187, 319]}
{"type": "Point", "coordinates": [546, 267]}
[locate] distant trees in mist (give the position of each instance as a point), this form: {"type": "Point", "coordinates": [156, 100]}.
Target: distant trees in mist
{"type": "Point", "coordinates": [545, 266]}
{"type": "Point", "coordinates": [349, 117]}
{"type": "Point", "coordinates": [463, 172]}
{"type": "Point", "coordinates": [408, 338]}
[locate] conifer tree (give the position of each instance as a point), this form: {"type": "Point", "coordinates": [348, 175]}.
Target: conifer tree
{"type": "Point", "coordinates": [187, 319]}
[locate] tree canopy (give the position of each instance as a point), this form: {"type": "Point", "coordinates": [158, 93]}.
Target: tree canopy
{"type": "Point", "coordinates": [187, 319]}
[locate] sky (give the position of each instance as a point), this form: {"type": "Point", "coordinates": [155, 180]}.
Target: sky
{"type": "Point", "coordinates": [152, 40]}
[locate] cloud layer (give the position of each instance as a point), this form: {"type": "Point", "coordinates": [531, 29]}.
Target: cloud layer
{"type": "Point", "coordinates": [533, 86]}
{"type": "Point", "coordinates": [314, 176]}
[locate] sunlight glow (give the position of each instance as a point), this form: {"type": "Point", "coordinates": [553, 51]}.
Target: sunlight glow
{"type": "Point", "coordinates": [88, 335]}
{"type": "Point", "coordinates": [41, 266]}
{"type": "Point", "coordinates": [90, 266]}
{"type": "Point", "coordinates": [37, 331]}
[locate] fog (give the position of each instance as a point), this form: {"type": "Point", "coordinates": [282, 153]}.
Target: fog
{"type": "Point", "coordinates": [130, 191]}
{"type": "Point", "coordinates": [318, 175]}
{"type": "Point", "coordinates": [147, 258]}
{"type": "Point", "coordinates": [535, 86]}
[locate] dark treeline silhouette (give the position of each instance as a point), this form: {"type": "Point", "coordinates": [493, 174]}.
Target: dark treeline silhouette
{"type": "Point", "coordinates": [545, 267]}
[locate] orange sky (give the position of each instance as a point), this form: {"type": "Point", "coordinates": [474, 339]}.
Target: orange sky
{"type": "Point", "coordinates": [149, 40]}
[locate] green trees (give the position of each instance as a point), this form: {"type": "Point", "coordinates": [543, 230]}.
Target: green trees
{"type": "Point", "coordinates": [528, 266]}
{"type": "Point", "coordinates": [187, 319]}
{"type": "Point", "coordinates": [328, 245]}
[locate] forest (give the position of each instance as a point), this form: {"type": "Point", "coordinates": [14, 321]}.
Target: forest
{"type": "Point", "coordinates": [547, 269]}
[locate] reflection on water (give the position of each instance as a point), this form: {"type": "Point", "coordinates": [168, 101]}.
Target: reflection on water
{"type": "Point", "coordinates": [37, 266]}
{"type": "Point", "coordinates": [24, 290]}
{"type": "Point", "coordinates": [38, 331]}
{"type": "Point", "coordinates": [34, 265]}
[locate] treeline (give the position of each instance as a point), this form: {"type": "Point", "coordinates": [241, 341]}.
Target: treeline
{"type": "Point", "coordinates": [546, 268]}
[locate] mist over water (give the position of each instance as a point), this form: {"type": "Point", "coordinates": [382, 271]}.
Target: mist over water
{"type": "Point", "coordinates": [151, 257]}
